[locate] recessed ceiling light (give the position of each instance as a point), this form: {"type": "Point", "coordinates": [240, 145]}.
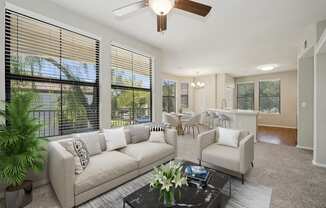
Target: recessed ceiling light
{"type": "Point", "coordinates": [267, 67]}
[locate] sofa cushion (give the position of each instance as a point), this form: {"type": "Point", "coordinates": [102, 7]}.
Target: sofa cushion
{"type": "Point", "coordinates": [103, 168]}
{"type": "Point", "coordinates": [138, 133]}
{"type": "Point", "coordinates": [147, 153]}
{"type": "Point", "coordinates": [102, 141]}
{"type": "Point", "coordinates": [222, 156]}
{"type": "Point", "coordinates": [115, 138]}
{"type": "Point", "coordinates": [91, 141]}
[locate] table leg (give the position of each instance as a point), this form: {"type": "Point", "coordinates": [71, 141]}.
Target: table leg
{"type": "Point", "coordinates": [230, 190]}
{"type": "Point", "coordinates": [124, 204]}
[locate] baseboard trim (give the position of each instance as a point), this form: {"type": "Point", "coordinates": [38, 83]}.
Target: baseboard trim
{"type": "Point", "coordinates": [318, 164]}
{"type": "Point", "coordinates": [305, 148]}
{"type": "Point", "coordinates": [278, 126]}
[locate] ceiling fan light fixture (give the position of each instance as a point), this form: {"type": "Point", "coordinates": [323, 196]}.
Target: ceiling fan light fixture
{"type": "Point", "coordinates": [161, 7]}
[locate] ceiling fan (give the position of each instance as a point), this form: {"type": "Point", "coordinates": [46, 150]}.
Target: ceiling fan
{"type": "Point", "coordinates": [162, 7]}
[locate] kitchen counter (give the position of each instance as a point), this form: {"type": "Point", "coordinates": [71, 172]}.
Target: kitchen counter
{"type": "Point", "coordinates": [236, 111]}
{"type": "Point", "coordinates": [240, 119]}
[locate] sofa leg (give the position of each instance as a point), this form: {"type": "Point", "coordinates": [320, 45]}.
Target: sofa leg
{"type": "Point", "coordinates": [252, 164]}
{"type": "Point", "coordinates": [242, 178]}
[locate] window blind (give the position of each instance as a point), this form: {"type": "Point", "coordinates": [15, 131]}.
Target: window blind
{"type": "Point", "coordinates": [60, 66]}
{"type": "Point", "coordinates": [169, 96]}
{"type": "Point", "coordinates": [246, 96]}
{"type": "Point", "coordinates": [270, 96]}
{"type": "Point", "coordinates": [184, 95]}
{"type": "Point", "coordinates": [131, 87]}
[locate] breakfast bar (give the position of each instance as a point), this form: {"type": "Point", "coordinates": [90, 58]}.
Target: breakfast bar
{"type": "Point", "coordinates": [239, 119]}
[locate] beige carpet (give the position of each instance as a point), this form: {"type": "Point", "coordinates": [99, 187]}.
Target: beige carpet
{"type": "Point", "coordinates": [287, 170]}
{"type": "Point", "coordinates": [296, 183]}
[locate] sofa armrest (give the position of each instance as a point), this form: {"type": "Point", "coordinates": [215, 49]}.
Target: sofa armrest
{"type": "Point", "coordinates": [246, 153]}
{"type": "Point", "coordinates": [171, 137]}
{"type": "Point", "coordinates": [205, 139]}
{"type": "Point", "coordinates": [62, 174]}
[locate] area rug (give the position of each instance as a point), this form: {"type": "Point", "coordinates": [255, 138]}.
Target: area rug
{"type": "Point", "coordinates": [243, 196]}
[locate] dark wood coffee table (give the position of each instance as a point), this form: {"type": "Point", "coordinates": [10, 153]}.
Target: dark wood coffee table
{"type": "Point", "coordinates": [190, 196]}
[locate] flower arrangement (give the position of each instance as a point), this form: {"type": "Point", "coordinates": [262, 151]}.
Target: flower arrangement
{"type": "Point", "coordinates": [168, 178]}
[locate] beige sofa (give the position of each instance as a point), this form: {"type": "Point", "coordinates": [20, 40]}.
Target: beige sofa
{"type": "Point", "coordinates": [107, 169]}
{"type": "Point", "coordinates": [232, 160]}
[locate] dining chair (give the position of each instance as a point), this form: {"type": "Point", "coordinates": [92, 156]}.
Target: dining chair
{"type": "Point", "coordinates": [170, 119]}
{"type": "Point", "coordinates": [193, 123]}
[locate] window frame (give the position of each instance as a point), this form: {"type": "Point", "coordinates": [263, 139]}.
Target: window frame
{"type": "Point", "coordinates": [132, 88]}
{"type": "Point", "coordinates": [253, 95]}
{"type": "Point", "coordinates": [181, 94]}
{"type": "Point", "coordinates": [9, 76]}
{"type": "Point", "coordinates": [170, 96]}
{"type": "Point", "coordinates": [280, 96]}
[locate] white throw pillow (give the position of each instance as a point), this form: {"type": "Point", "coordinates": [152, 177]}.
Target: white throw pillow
{"type": "Point", "coordinates": [157, 137]}
{"type": "Point", "coordinates": [228, 137]}
{"type": "Point", "coordinates": [115, 138]}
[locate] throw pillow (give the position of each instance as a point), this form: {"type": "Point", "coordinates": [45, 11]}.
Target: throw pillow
{"type": "Point", "coordinates": [228, 137]}
{"type": "Point", "coordinates": [78, 149]}
{"type": "Point", "coordinates": [139, 133]}
{"type": "Point", "coordinates": [115, 138]}
{"type": "Point", "coordinates": [91, 141]}
{"type": "Point", "coordinates": [157, 137]}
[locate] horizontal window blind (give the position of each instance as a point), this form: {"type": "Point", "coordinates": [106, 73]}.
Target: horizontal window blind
{"type": "Point", "coordinates": [184, 95]}
{"type": "Point", "coordinates": [169, 88]}
{"type": "Point", "coordinates": [246, 96]}
{"type": "Point", "coordinates": [60, 66]}
{"type": "Point", "coordinates": [270, 96]}
{"type": "Point", "coordinates": [131, 87]}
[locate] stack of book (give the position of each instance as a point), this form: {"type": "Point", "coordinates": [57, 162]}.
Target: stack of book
{"type": "Point", "coordinates": [197, 174]}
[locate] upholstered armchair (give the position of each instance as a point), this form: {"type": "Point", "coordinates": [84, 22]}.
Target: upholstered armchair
{"type": "Point", "coordinates": [235, 161]}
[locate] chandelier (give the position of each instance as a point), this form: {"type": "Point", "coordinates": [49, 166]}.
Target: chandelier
{"type": "Point", "coordinates": [197, 84]}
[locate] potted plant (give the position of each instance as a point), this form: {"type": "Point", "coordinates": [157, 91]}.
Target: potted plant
{"type": "Point", "coordinates": [167, 179]}
{"type": "Point", "coordinates": [21, 150]}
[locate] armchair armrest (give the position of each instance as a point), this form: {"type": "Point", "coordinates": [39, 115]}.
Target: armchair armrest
{"type": "Point", "coordinates": [171, 137]}
{"type": "Point", "coordinates": [246, 153]}
{"type": "Point", "coordinates": [205, 139]}
{"type": "Point", "coordinates": [62, 174]}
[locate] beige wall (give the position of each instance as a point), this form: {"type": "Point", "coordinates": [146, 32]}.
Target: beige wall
{"type": "Point", "coordinates": [288, 115]}
{"type": "Point", "coordinates": [205, 97]}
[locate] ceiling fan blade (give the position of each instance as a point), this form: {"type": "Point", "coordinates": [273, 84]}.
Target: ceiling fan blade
{"type": "Point", "coordinates": [161, 23]}
{"type": "Point", "coordinates": [130, 8]}
{"type": "Point", "coordinates": [193, 7]}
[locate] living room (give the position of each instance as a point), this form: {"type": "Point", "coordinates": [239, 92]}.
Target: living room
{"type": "Point", "coordinates": [99, 93]}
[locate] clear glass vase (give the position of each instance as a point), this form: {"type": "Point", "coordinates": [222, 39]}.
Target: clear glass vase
{"type": "Point", "coordinates": [168, 198]}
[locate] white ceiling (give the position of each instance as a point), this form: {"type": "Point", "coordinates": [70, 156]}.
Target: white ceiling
{"type": "Point", "coordinates": [237, 35]}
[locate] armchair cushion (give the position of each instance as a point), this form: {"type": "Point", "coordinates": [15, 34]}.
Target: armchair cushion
{"type": "Point", "coordinates": [228, 137]}
{"type": "Point", "coordinates": [222, 156]}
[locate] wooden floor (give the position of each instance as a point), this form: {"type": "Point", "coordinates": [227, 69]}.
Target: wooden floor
{"type": "Point", "coordinates": [276, 135]}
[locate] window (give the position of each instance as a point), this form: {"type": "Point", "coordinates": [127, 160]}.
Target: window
{"type": "Point", "coordinates": [169, 95]}
{"type": "Point", "coordinates": [131, 88]}
{"type": "Point", "coordinates": [184, 95]}
{"type": "Point", "coordinates": [60, 66]}
{"type": "Point", "coordinates": [269, 96]}
{"type": "Point", "coordinates": [246, 96]}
